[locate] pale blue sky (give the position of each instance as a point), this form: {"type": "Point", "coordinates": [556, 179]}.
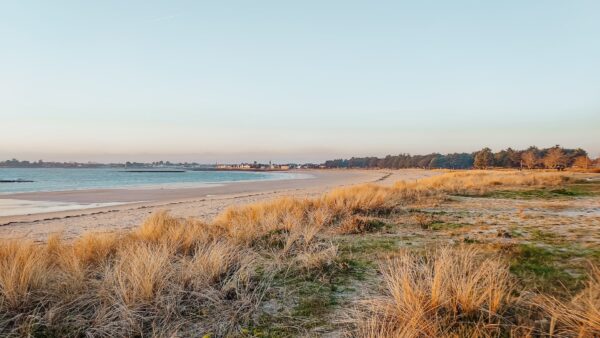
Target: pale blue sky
{"type": "Point", "coordinates": [303, 80]}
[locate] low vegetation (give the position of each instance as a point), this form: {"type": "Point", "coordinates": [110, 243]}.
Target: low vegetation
{"type": "Point", "coordinates": [291, 267]}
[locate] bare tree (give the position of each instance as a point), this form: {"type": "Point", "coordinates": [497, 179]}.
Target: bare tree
{"type": "Point", "coordinates": [582, 162]}
{"type": "Point", "coordinates": [530, 159]}
{"type": "Point", "coordinates": [554, 158]}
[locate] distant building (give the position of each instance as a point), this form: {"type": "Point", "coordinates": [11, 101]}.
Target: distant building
{"type": "Point", "coordinates": [255, 165]}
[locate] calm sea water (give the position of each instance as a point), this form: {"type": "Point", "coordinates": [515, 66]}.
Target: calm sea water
{"type": "Point", "coordinates": [51, 179]}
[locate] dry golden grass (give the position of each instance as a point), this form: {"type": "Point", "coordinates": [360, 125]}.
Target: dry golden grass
{"type": "Point", "coordinates": [444, 293]}
{"type": "Point", "coordinates": [172, 275]}
{"type": "Point", "coordinates": [139, 274]}
{"type": "Point", "coordinates": [356, 225]}
{"type": "Point", "coordinates": [581, 170]}
{"type": "Point", "coordinates": [368, 197]}
{"type": "Point", "coordinates": [481, 181]}
{"type": "Point", "coordinates": [245, 224]}
{"type": "Point", "coordinates": [580, 317]}
{"type": "Point", "coordinates": [318, 258]}
{"type": "Point", "coordinates": [153, 279]}
{"type": "Point", "coordinates": [22, 273]}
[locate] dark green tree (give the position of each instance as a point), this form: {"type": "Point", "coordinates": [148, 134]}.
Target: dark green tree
{"type": "Point", "coordinates": [484, 158]}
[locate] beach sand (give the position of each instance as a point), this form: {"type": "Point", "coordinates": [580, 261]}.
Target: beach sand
{"type": "Point", "coordinates": [203, 203]}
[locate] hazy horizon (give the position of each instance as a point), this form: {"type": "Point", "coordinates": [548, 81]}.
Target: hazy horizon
{"type": "Point", "coordinates": [295, 82]}
{"type": "Point", "coordinates": [213, 158]}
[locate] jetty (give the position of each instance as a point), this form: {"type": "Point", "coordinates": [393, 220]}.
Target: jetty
{"type": "Point", "coordinates": [16, 181]}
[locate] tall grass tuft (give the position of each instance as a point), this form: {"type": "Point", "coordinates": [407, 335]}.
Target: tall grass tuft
{"type": "Point", "coordinates": [23, 273]}
{"type": "Point", "coordinates": [443, 293]}
{"type": "Point", "coordinates": [579, 317]}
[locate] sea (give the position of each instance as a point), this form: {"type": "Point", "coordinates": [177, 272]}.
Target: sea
{"type": "Point", "coordinates": [61, 179]}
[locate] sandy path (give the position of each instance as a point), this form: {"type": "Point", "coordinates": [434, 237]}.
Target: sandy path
{"type": "Point", "coordinates": [204, 203]}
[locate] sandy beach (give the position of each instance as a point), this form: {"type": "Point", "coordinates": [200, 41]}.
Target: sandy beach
{"type": "Point", "coordinates": [205, 202]}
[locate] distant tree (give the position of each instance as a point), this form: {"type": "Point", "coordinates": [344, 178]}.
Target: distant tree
{"type": "Point", "coordinates": [572, 154]}
{"type": "Point", "coordinates": [513, 158]}
{"type": "Point", "coordinates": [437, 162]}
{"type": "Point", "coordinates": [501, 159]}
{"type": "Point", "coordinates": [508, 158]}
{"type": "Point", "coordinates": [372, 162]}
{"type": "Point", "coordinates": [582, 162]}
{"type": "Point", "coordinates": [554, 158]}
{"type": "Point", "coordinates": [530, 159]}
{"type": "Point", "coordinates": [484, 158]}
{"type": "Point", "coordinates": [536, 151]}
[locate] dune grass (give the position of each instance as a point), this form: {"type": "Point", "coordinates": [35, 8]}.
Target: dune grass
{"type": "Point", "coordinates": [154, 279]}
{"type": "Point", "coordinates": [175, 276]}
{"type": "Point", "coordinates": [579, 317]}
{"type": "Point", "coordinates": [449, 291]}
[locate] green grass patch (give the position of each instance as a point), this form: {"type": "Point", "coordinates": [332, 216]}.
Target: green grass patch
{"type": "Point", "coordinates": [534, 194]}
{"type": "Point", "coordinates": [315, 299]}
{"type": "Point", "coordinates": [311, 296]}
{"type": "Point", "coordinates": [544, 236]}
{"type": "Point", "coordinates": [589, 188]}
{"type": "Point", "coordinates": [515, 232]}
{"type": "Point", "coordinates": [318, 294]}
{"type": "Point", "coordinates": [554, 269]}
{"type": "Point", "coordinates": [366, 245]}
{"type": "Point", "coordinates": [569, 191]}
{"type": "Point", "coordinates": [377, 225]}
{"type": "Point", "coordinates": [445, 226]}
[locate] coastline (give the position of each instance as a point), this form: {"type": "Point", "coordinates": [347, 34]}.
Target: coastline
{"type": "Point", "coordinates": [88, 179]}
{"type": "Point", "coordinates": [203, 202]}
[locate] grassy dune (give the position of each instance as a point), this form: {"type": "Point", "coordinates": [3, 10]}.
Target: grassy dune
{"type": "Point", "coordinates": [336, 264]}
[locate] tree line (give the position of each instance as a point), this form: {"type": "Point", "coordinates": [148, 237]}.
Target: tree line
{"type": "Point", "coordinates": [533, 157]}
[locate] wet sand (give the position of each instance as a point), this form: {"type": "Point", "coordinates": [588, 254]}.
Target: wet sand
{"type": "Point", "coordinates": [204, 202]}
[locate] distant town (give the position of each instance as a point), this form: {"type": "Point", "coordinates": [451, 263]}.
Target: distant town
{"type": "Point", "coordinates": [267, 167]}
{"type": "Point", "coordinates": [255, 166]}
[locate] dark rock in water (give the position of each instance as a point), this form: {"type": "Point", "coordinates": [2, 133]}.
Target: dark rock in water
{"type": "Point", "coordinates": [16, 181]}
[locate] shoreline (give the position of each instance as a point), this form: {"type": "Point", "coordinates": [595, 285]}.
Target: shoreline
{"type": "Point", "coordinates": [183, 190]}
{"type": "Point", "coordinates": [54, 195]}
{"type": "Point", "coordinates": [203, 203]}
{"type": "Point", "coordinates": [165, 185]}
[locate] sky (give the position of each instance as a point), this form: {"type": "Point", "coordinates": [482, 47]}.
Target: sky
{"type": "Point", "coordinates": [294, 81]}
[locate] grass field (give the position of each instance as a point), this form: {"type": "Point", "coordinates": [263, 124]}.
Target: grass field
{"type": "Point", "coordinates": [462, 254]}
